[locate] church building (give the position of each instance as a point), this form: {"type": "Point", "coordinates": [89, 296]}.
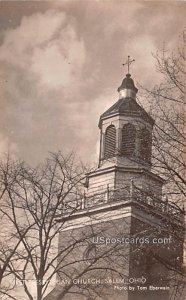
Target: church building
{"type": "Point", "coordinates": [127, 239]}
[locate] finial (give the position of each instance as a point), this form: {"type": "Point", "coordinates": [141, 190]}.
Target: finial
{"type": "Point", "coordinates": [128, 62]}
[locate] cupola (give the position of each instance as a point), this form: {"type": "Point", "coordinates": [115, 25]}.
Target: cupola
{"type": "Point", "coordinates": [126, 130]}
{"type": "Point", "coordinates": [127, 89]}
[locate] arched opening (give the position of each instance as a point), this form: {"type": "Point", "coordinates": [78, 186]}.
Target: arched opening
{"type": "Point", "coordinates": [145, 145]}
{"type": "Point", "coordinates": [128, 140]}
{"type": "Point", "coordinates": [110, 142]}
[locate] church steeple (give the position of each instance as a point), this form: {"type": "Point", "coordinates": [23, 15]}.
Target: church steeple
{"type": "Point", "coordinates": [123, 199]}
{"type": "Point", "coordinates": [125, 145]}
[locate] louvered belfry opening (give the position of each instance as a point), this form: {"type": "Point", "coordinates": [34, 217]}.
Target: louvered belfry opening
{"type": "Point", "coordinates": [110, 141]}
{"type": "Point", "coordinates": [128, 140]}
{"type": "Point", "coordinates": [145, 145]}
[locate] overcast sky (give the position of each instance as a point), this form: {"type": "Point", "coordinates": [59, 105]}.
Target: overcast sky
{"type": "Point", "coordinates": [61, 65]}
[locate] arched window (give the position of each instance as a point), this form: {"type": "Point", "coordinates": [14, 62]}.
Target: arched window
{"type": "Point", "coordinates": [90, 254]}
{"type": "Point", "coordinates": [128, 140]}
{"type": "Point", "coordinates": [110, 141]}
{"type": "Point", "coordinates": [145, 145]}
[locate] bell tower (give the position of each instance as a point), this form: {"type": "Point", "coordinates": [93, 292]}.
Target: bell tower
{"type": "Point", "coordinates": [132, 237]}
{"type": "Point", "coordinates": [125, 146]}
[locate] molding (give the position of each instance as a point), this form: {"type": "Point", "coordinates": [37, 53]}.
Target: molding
{"type": "Point", "coordinates": [125, 170]}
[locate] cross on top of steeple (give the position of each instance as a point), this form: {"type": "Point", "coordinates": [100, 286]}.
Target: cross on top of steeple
{"type": "Point", "coordinates": [128, 62]}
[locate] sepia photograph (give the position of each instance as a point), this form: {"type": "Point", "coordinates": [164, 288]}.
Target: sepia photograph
{"type": "Point", "coordinates": [92, 150]}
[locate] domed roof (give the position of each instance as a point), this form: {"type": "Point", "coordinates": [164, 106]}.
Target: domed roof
{"type": "Point", "coordinates": [127, 83]}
